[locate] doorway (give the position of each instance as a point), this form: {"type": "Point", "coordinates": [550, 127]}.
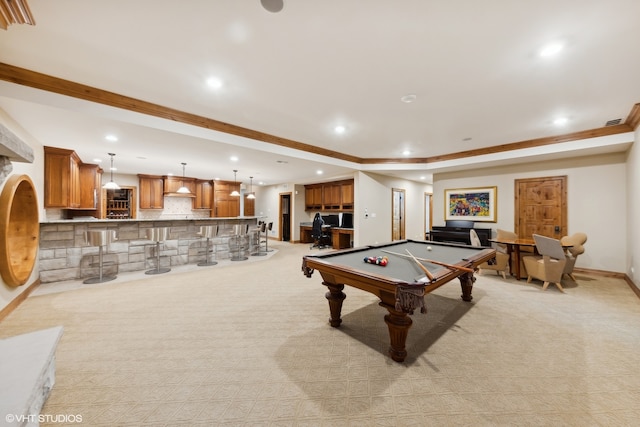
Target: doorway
{"type": "Point", "coordinates": [428, 213]}
{"type": "Point", "coordinates": [541, 207]}
{"type": "Point", "coordinates": [398, 207]}
{"type": "Point", "coordinates": [285, 217]}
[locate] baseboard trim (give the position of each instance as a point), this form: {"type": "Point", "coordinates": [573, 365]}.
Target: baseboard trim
{"type": "Point", "coordinates": [18, 300]}
{"type": "Point", "coordinates": [604, 273]}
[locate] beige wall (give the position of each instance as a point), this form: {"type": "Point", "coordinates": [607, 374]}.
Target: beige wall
{"type": "Point", "coordinates": [596, 201]}
{"type": "Point", "coordinates": [35, 171]}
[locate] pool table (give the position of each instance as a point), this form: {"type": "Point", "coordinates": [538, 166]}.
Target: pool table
{"type": "Point", "coordinates": [402, 283]}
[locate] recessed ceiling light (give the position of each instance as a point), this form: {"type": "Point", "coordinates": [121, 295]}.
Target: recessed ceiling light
{"type": "Point", "coordinates": [560, 121]}
{"type": "Point", "coordinates": [97, 160]}
{"type": "Point", "coordinates": [408, 98]}
{"type": "Point", "coordinates": [423, 177]}
{"type": "Point", "coordinates": [234, 158]}
{"type": "Point", "coordinates": [319, 172]}
{"type": "Point", "coordinates": [340, 129]}
{"type": "Point", "coordinates": [551, 49]}
{"type": "Point", "coordinates": [111, 138]}
{"type": "Point", "coordinates": [214, 82]}
{"type": "Point", "coordinates": [406, 152]}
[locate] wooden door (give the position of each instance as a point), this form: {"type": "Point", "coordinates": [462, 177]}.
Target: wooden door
{"type": "Point", "coordinates": [541, 207]}
{"type": "Point", "coordinates": [397, 225]}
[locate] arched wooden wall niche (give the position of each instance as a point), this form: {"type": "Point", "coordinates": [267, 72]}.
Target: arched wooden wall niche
{"type": "Point", "coordinates": [19, 230]}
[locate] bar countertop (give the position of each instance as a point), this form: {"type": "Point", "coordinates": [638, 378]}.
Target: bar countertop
{"type": "Point", "coordinates": [112, 221]}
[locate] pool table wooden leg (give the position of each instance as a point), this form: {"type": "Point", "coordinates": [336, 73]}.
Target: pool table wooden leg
{"type": "Point", "coordinates": [398, 324]}
{"type": "Point", "coordinates": [466, 283]}
{"type": "Point", "coordinates": [335, 296]}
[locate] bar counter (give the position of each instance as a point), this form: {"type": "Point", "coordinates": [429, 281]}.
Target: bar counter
{"type": "Point", "coordinates": [64, 254]}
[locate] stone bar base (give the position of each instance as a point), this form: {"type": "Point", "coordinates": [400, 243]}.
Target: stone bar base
{"type": "Point", "coordinates": [64, 255]}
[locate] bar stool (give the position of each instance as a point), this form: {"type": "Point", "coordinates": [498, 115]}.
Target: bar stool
{"type": "Point", "coordinates": [208, 232]}
{"type": "Point", "coordinates": [266, 238]}
{"type": "Point", "coordinates": [261, 229]}
{"type": "Point", "coordinates": [158, 235]}
{"type": "Point", "coordinates": [100, 238]}
{"type": "Point", "coordinates": [238, 236]}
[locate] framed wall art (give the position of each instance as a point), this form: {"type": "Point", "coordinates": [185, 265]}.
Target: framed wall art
{"type": "Point", "coordinates": [471, 204]}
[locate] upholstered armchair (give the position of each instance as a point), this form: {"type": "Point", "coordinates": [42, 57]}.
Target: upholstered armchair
{"type": "Point", "coordinates": [501, 262]}
{"type": "Point", "coordinates": [549, 266]}
{"type": "Point", "coordinates": [574, 244]}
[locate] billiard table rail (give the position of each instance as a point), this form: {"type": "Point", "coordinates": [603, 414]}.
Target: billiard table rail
{"type": "Point", "coordinates": [400, 295]}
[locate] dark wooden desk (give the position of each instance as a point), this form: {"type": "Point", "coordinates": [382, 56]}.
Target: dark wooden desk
{"type": "Point", "coordinates": [340, 237]}
{"type": "Point", "coordinates": [401, 284]}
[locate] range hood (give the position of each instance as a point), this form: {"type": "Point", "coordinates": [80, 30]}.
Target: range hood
{"type": "Point", "coordinates": [186, 195]}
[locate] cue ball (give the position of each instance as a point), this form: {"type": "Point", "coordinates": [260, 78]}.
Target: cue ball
{"type": "Point", "coordinates": [428, 248]}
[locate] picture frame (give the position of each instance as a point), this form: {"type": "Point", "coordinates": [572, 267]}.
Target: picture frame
{"type": "Point", "coordinates": [471, 204]}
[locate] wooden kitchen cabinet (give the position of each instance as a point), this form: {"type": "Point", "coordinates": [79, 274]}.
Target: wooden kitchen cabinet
{"type": "Point", "coordinates": [346, 196]}
{"type": "Point", "coordinates": [90, 183]}
{"type": "Point", "coordinates": [204, 194]}
{"type": "Point", "coordinates": [249, 206]}
{"type": "Point", "coordinates": [61, 178]}
{"type": "Point", "coordinates": [151, 192]}
{"type": "Point", "coordinates": [336, 196]}
{"type": "Point", "coordinates": [172, 183]}
{"type": "Point", "coordinates": [225, 205]}
{"type": "Point", "coordinates": [313, 197]}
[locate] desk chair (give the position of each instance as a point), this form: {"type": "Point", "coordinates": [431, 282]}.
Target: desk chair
{"type": "Point", "coordinates": [319, 233]}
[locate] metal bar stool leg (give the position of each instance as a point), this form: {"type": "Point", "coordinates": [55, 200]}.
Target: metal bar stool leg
{"type": "Point", "coordinates": [159, 235]}
{"type": "Point", "coordinates": [240, 232]}
{"type": "Point", "coordinates": [208, 231]}
{"type": "Point", "coordinates": [99, 238]}
{"type": "Point", "coordinates": [260, 252]}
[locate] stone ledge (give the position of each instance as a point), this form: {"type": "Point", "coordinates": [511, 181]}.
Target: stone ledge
{"type": "Point", "coordinates": [27, 374]}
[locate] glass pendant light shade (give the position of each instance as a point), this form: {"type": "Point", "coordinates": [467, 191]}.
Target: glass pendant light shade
{"type": "Point", "coordinates": [235, 192]}
{"type": "Point", "coordinates": [251, 194]}
{"type": "Point", "coordinates": [111, 185]}
{"type": "Point", "coordinates": [183, 189]}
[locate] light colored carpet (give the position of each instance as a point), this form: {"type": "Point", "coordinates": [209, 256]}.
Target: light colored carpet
{"type": "Point", "coordinates": [248, 344]}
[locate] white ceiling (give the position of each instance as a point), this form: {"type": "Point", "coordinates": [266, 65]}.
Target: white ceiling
{"type": "Point", "coordinates": [474, 67]}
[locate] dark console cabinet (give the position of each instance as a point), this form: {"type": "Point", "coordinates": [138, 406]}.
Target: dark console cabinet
{"type": "Point", "coordinates": [460, 235]}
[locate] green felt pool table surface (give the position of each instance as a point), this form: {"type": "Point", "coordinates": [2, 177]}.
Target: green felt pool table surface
{"type": "Point", "coordinates": [402, 283]}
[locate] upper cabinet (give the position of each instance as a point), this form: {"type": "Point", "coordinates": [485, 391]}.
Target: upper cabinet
{"type": "Point", "coordinates": [334, 196]}
{"type": "Point", "coordinates": [151, 192]}
{"type": "Point", "coordinates": [68, 182]}
{"type": "Point", "coordinates": [204, 194]}
{"type": "Point", "coordinates": [90, 183]}
{"type": "Point", "coordinates": [173, 183]}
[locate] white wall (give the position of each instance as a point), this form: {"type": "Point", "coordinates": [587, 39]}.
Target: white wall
{"type": "Point", "coordinates": [35, 171]}
{"type": "Point", "coordinates": [596, 201]}
{"type": "Point", "coordinates": [633, 205]}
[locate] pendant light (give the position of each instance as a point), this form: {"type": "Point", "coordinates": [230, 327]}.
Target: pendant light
{"type": "Point", "coordinates": [183, 189]}
{"type": "Point", "coordinates": [251, 194]}
{"type": "Point", "coordinates": [111, 185]}
{"type": "Point", "coordinates": [235, 192]}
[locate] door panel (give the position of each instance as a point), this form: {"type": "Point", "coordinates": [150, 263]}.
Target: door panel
{"type": "Point", "coordinates": [541, 207]}
{"type": "Point", "coordinates": [397, 225]}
